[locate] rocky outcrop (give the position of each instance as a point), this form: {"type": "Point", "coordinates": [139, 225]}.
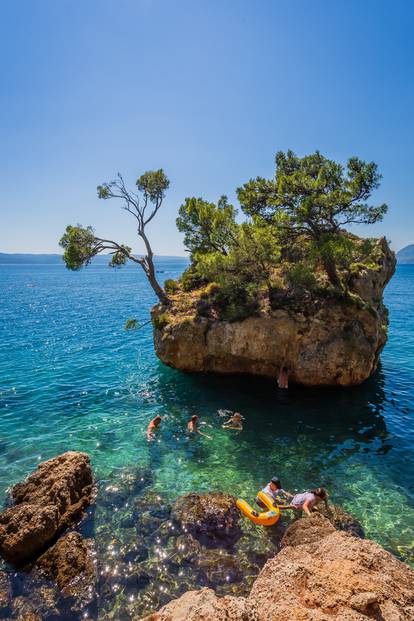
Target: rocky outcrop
{"type": "Point", "coordinates": [321, 575]}
{"type": "Point", "coordinates": [50, 500]}
{"type": "Point", "coordinates": [337, 342]}
{"type": "Point", "coordinates": [213, 517]}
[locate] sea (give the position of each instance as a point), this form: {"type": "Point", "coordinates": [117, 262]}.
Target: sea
{"type": "Point", "coordinates": [73, 378]}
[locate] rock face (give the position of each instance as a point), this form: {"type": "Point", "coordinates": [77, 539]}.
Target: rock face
{"type": "Point", "coordinates": [50, 500]}
{"type": "Point", "coordinates": [320, 575]}
{"type": "Point", "coordinates": [212, 517]}
{"type": "Point", "coordinates": [337, 344]}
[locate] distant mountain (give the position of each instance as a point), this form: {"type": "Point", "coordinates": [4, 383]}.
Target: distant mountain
{"type": "Point", "coordinates": [55, 259]}
{"type": "Point", "coordinates": [36, 259]}
{"type": "Point", "coordinates": [406, 255]}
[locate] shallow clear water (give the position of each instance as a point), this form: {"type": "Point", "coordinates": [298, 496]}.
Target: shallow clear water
{"type": "Point", "coordinates": [71, 377]}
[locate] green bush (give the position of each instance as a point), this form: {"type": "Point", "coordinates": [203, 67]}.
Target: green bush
{"type": "Point", "coordinates": [160, 321]}
{"type": "Point", "coordinates": [191, 279]}
{"type": "Point", "coordinates": [300, 278]}
{"type": "Point", "coordinates": [171, 285]}
{"type": "Point", "coordinates": [235, 303]}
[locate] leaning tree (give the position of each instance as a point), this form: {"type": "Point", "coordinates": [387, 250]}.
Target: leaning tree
{"type": "Point", "coordinates": [80, 243]}
{"type": "Point", "coordinates": [314, 198]}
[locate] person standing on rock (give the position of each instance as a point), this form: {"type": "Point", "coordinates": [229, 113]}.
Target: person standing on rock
{"type": "Point", "coordinates": [192, 427]}
{"type": "Point", "coordinates": [274, 490]}
{"type": "Point", "coordinates": [307, 501]}
{"type": "Point", "coordinates": [153, 426]}
{"type": "Point", "coordinates": [283, 378]}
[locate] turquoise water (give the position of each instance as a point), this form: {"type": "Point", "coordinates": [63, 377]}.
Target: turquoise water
{"type": "Point", "coordinates": [71, 377]}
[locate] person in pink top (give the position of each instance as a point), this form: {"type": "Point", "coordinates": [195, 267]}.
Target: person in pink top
{"type": "Point", "coordinates": [283, 379]}
{"type": "Point", "coordinates": [307, 501]}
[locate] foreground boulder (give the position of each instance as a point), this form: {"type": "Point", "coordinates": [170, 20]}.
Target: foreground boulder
{"type": "Point", "coordinates": [212, 517]}
{"type": "Point", "coordinates": [323, 575]}
{"type": "Point", "coordinates": [50, 500]}
{"type": "Point", "coordinates": [331, 341]}
{"type": "Point", "coordinates": [71, 563]}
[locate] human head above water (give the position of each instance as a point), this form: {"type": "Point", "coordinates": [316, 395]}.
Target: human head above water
{"type": "Point", "coordinates": [276, 482]}
{"type": "Point", "coordinates": [194, 418]}
{"type": "Point", "coordinates": [320, 492]}
{"type": "Point", "coordinates": [157, 419]}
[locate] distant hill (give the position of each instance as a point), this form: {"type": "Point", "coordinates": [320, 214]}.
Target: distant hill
{"type": "Point", "coordinates": [406, 255]}
{"type": "Point", "coordinates": [54, 259]}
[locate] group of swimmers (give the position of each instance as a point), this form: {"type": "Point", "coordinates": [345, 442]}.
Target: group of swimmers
{"type": "Point", "coordinates": [304, 502]}
{"type": "Point", "coordinates": [234, 422]}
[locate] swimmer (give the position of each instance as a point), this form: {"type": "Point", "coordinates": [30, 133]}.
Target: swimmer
{"type": "Point", "coordinates": [308, 500]}
{"type": "Point", "coordinates": [234, 422]}
{"type": "Point", "coordinates": [193, 428]}
{"type": "Point", "coordinates": [153, 426]}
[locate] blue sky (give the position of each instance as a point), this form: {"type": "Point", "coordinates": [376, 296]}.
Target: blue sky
{"type": "Point", "coordinates": [208, 90]}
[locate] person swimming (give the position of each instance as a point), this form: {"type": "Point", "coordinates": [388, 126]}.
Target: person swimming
{"type": "Point", "coordinates": [273, 489]}
{"type": "Point", "coordinates": [234, 422]}
{"type": "Point", "coordinates": [192, 427]}
{"type": "Point", "coordinates": [307, 500]}
{"type": "Point", "coordinates": [153, 426]}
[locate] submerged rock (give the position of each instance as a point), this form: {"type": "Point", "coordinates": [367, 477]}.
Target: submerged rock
{"type": "Point", "coordinates": [50, 500]}
{"type": "Point", "coordinates": [342, 520]}
{"type": "Point", "coordinates": [337, 341]}
{"type": "Point", "coordinates": [5, 592]}
{"type": "Point", "coordinates": [212, 517]}
{"type": "Point", "coordinates": [71, 562]}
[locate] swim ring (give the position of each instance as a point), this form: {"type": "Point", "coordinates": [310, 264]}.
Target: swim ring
{"type": "Point", "coordinates": [265, 518]}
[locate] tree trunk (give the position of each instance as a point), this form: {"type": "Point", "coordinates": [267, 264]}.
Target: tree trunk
{"type": "Point", "coordinates": [330, 268]}
{"type": "Point", "coordinates": [150, 272]}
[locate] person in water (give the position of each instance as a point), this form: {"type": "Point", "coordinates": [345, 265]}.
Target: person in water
{"type": "Point", "coordinates": [234, 422]}
{"type": "Point", "coordinates": [153, 426]}
{"type": "Point", "coordinates": [283, 379]}
{"type": "Point", "coordinates": [192, 427]}
{"type": "Point", "coordinates": [274, 490]}
{"type": "Point", "coordinates": [307, 501]}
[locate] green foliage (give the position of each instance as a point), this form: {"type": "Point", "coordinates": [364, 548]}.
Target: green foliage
{"type": "Point", "coordinates": [153, 184]}
{"type": "Point", "coordinates": [160, 321]}
{"type": "Point", "coordinates": [207, 227]}
{"type": "Point", "coordinates": [79, 245]}
{"type": "Point", "coordinates": [251, 258]}
{"type": "Point", "coordinates": [315, 197]}
{"type": "Point", "coordinates": [314, 194]}
{"type": "Point", "coordinates": [191, 279]}
{"type": "Point", "coordinates": [120, 257]}
{"type": "Point", "coordinates": [234, 303]}
{"type": "Point", "coordinates": [171, 285]}
{"type": "Point", "coordinates": [131, 324]}
{"type": "Point", "coordinates": [301, 277]}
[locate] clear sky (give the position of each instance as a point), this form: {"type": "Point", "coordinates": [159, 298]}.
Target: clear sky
{"type": "Point", "coordinates": [207, 89]}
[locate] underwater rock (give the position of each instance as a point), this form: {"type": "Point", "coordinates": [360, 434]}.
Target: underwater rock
{"type": "Point", "coordinates": [342, 520]}
{"type": "Point", "coordinates": [71, 562]}
{"type": "Point", "coordinates": [217, 567]}
{"type": "Point", "coordinates": [212, 517]}
{"type": "Point", "coordinates": [203, 605]}
{"type": "Point", "coordinates": [41, 603]}
{"type": "Point", "coordinates": [337, 343]}
{"type": "Point", "coordinates": [125, 485]}
{"type": "Point", "coordinates": [50, 500]}
{"type": "Point", "coordinates": [5, 592]}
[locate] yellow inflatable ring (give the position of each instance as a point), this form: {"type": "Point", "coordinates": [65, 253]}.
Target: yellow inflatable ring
{"type": "Point", "coordinates": [266, 518]}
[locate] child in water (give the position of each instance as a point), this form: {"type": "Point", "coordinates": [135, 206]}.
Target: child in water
{"type": "Point", "coordinates": [234, 422]}
{"type": "Point", "coordinates": [153, 426]}
{"type": "Point", "coordinates": [192, 427]}
{"type": "Point", "coordinates": [274, 490]}
{"type": "Point", "coordinates": [307, 501]}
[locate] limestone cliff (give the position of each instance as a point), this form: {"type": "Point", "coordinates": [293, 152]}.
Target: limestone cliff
{"type": "Point", "coordinates": [328, 340]}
